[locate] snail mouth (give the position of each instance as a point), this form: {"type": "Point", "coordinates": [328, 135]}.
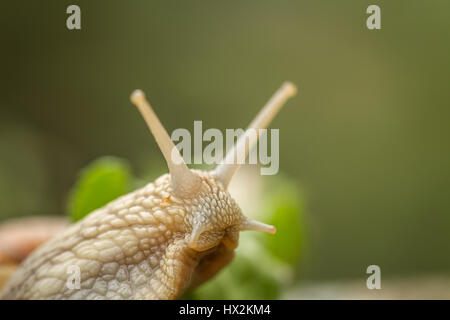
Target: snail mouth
{"type": "Point", "coordinates": [193, 245]}
{"type": "Point", "coordinates": [203, 249]}
{"type": "Point", "coordinates": [202, 240]}
{"type": "Point", "coordinates": [229, 244]}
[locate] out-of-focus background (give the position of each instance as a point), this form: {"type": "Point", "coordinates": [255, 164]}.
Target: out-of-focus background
{"type": "Point", "coordinates": [366, 140]}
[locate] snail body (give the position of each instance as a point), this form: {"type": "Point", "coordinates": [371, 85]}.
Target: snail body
{"type": "Point", "coordinates": [153, 243]}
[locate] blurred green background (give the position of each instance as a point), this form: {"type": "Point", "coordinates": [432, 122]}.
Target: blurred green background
{"type": "Point", "coordinates": [367, 138]}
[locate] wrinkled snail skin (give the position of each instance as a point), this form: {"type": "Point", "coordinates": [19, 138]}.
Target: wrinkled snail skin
{"type": "Point", "coordinates": [153, 243]}
{"type": "Point", "coordinates": [136, 247]}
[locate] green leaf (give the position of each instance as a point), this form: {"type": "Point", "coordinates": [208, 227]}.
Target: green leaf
{"type": "Point", "coordinates": [104, 180]}
{"type": "Point", "coordinates": [284, 210]}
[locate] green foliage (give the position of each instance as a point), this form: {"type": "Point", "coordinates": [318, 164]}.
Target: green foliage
{"type": "Point", "coordinates": [100, 182]}
{"type": "Point", "coordinates": [284, 208]}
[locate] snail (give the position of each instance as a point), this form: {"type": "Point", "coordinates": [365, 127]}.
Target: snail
{"type": "Point", "coordinates": [153, 243]}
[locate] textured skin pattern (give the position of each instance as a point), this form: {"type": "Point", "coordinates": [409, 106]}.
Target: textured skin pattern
{"type": "Point", "coordinates": [136, 247]}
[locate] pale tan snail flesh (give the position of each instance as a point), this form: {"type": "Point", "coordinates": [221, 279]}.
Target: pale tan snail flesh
{"type": "Point", "coordinates": [155, 242]}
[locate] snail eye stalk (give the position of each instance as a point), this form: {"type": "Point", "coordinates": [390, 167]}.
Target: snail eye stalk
{"type": "Point", "coordinates": [226, 169]}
